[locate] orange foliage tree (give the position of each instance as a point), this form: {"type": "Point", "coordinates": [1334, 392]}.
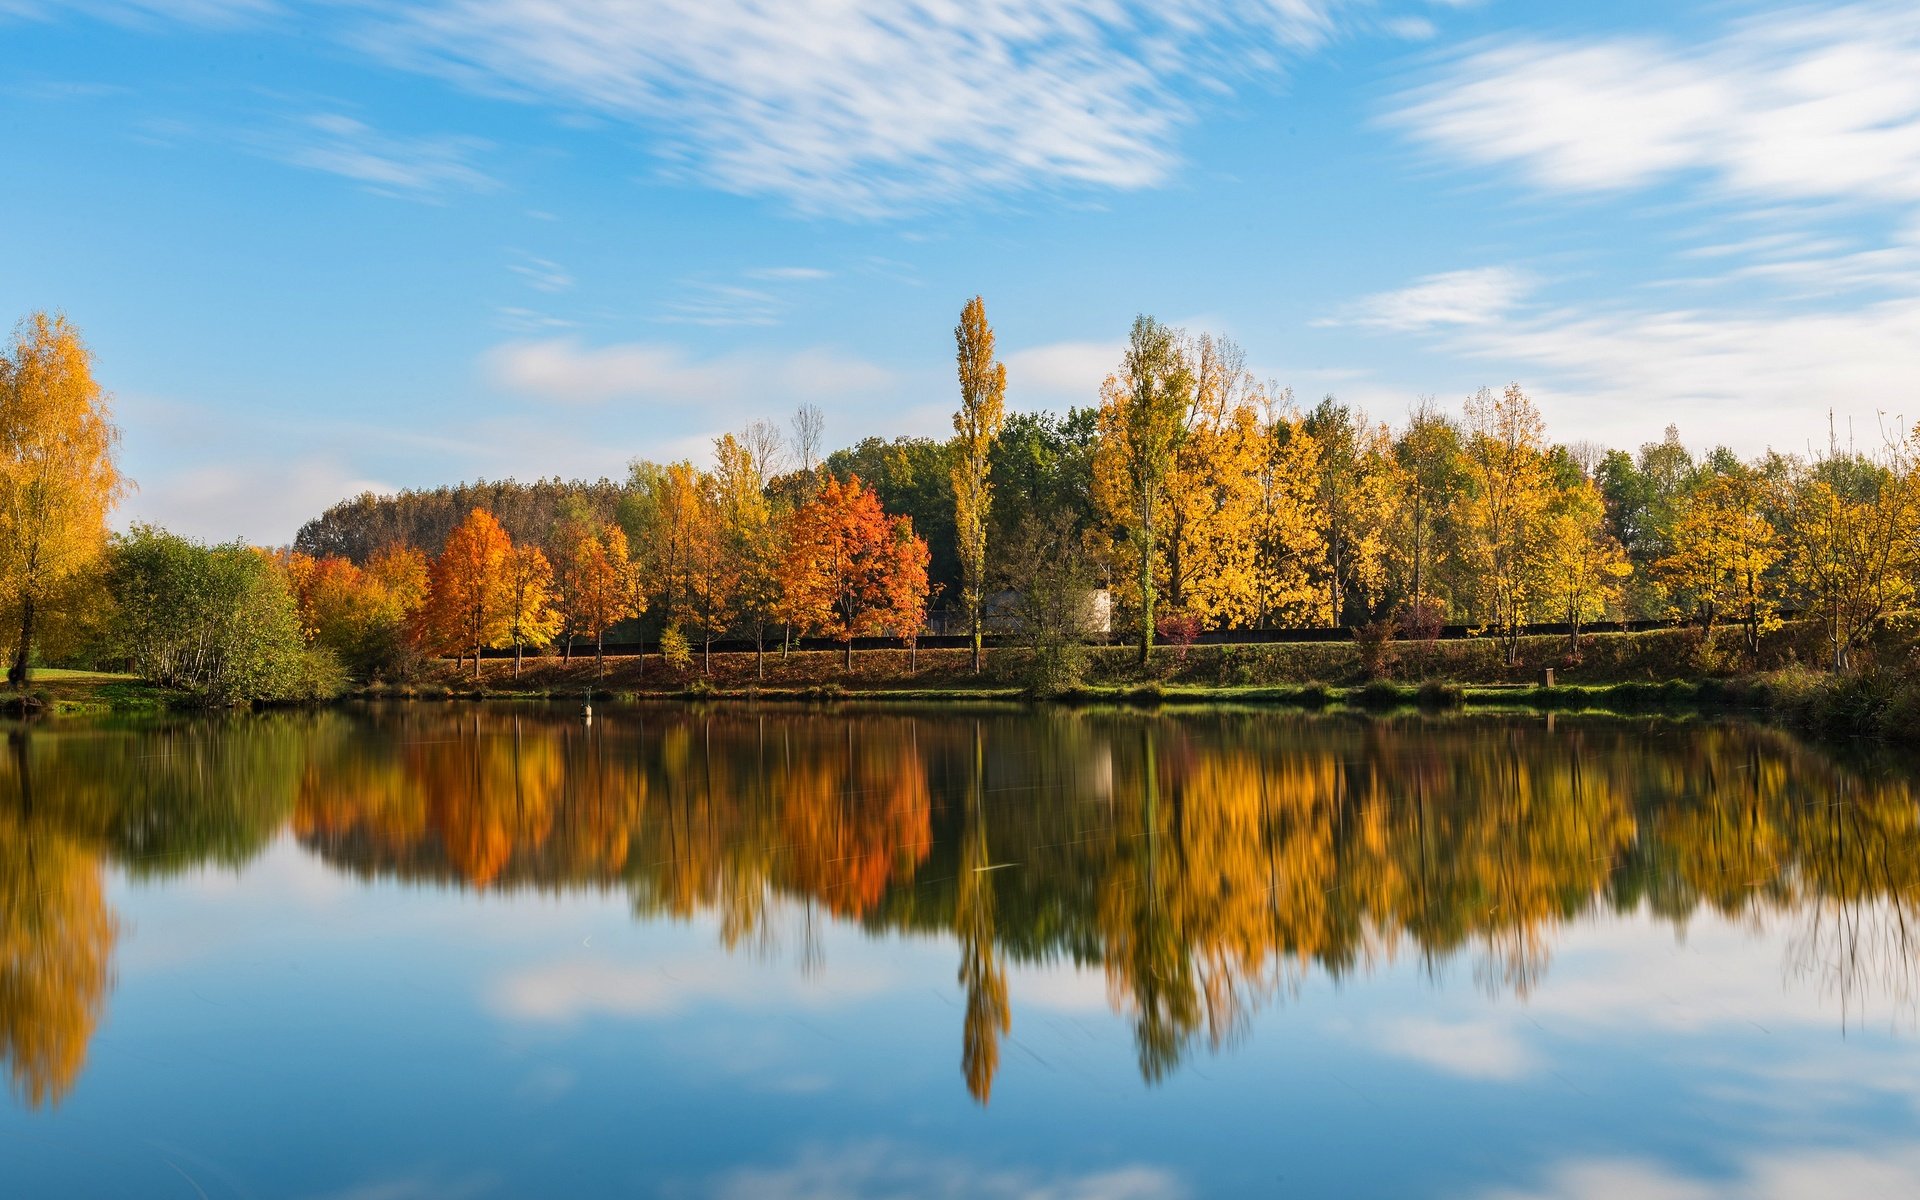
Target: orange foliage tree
{"type": "Point", "coordinates": [853, 571]}
{"type": "Point", "coordinates": [468, 600]}
{"type": "Point", "coordinates": [598, 583]}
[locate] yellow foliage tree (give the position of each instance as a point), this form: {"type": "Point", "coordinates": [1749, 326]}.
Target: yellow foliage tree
{"type": "Point", "coordinates": [1287, 535]}
{"type": "Point", "coordinates": [1583, 567]}
{"type": "Point", "coordinates": [1724, 553]}
{"type": "Point", "coordinates": [1850, 547]}
{"type": "Point", "coordinates": [1504, 512]}
{"type": "Point", "coordinates": [58, 479]}
{"type": "Point", "coordinates": [531, 618]}
{"type": "Point", "coordinates": [750, 534]}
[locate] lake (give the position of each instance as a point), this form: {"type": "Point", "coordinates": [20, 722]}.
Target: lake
{"type": "Point", "coordinates": [443, 950]}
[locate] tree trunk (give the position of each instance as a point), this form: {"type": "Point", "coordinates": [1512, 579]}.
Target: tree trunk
{"type": "Point", "coordinates": [849, 659]}
{"type": "Point", "coordinates": [913, 656]}
{"type": "Point", "coordinates": [706, 656]}
{"type": "Point", "coordinates": [600, 652]}
{"type": "Point", "coordinates": [476, 660]}
{"type": "Point", "coordinates": [1146, 587]}
{"type": "Point", "coordinates": [17, 673]}
{"type": "Point", "coordinates": [760, 655]}
{"type": "Point", "coordinates": [976, 640]}
{"type": "Point", "coordinates": [516, 658]}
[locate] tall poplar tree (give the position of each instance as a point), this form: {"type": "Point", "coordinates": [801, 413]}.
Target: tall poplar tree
{"type": "Point", "coordinates": [58, 479]}
{"type": "Point", "coordinates": [983, 387]}
{"type": "Point", "coordinates": [1143, 420]}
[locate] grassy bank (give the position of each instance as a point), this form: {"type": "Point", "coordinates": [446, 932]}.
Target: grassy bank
{"type": "Point", "coordinates": [1617, 672]}
{"type": "Point", "coordinates": [51, 691]}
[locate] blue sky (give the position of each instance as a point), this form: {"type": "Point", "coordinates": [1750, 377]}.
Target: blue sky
{"type": "Point", "coordinates": [321, 245]}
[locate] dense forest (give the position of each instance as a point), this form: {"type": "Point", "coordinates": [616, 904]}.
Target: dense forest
{"type": "Point", "coordinates": [1197, 496]}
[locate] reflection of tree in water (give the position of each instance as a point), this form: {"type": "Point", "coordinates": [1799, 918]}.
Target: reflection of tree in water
{"type": "Point", "coordinates": [1205, 864]}
{"type": "Point", "coordinates": [56, 943]}
{"type": "Point", "coordinates": [70, 802]}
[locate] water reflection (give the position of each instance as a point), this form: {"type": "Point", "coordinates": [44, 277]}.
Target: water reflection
{"type": "Point", "coordinates": [1205, 864]}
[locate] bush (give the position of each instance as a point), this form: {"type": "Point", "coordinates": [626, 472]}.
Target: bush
{"type": "Point", "coordinates": [1380, 694]}
{"type": "Point", "coordinates": [1434, 694]}
{"type": "Point", "coordinates": [218, 622]}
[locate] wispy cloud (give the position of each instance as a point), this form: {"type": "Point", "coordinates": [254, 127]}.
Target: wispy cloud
{"type": "Point", "coordinates": [861, 109]}
{"type": "Point", "coordinates": [790, 274]}
{"type": "Point", "coordinates": [721, 305]}
{"type": "Point", "coordinates": [1473, 297]}
{"type": "Point", "coordinates": [567, 371]}
{"type": "Point", "coordinates": [541, 274]}
{"type": "Point", "coordinates": [1804, 105]}
{"type": "Point", "coordinates": [418, 168]}
{"type": "Point", "coordinates": [214, 13]}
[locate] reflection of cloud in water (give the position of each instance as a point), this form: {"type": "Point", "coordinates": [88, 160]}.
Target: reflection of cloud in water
{"type": "Point", "coordinates": [884, 1169]}
{"type": "Point", "coordinates": [428, 1184]}
{"type": "Point", "coordinates": [1480, 1049]}
{"type": "Point", "coordinates": [564, 992]}
{"type": "Point", "coordinates": [1814, 1173]}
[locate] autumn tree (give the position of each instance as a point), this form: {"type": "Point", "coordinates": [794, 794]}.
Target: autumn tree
{"type": "Point", "coordinates": [58, 478]}
{"type": "Point", "coordinates": [361, 614]}
{"type": "Point", "coordinates": [1504, 509]}
{"type": "Point", "coordinates": [531, 618]}
{"type": "Point", "coordinates": [1582, 566]}
{"type": "Point", "coordinates": [1288, 542]}
{"type": "Point", "coordinates": [983, 386]}
{"type": "Point", "coordinates": [1143, 421]}
{"type": "Point", "coordinates": [1210, 570]}
{"type": "Point", "coordinates": [1354, 496]}
{"type": "Point", "coordinates": [750, 529]}
{"type": "Point", "coordinates": [470, 590]}
{"type": "Point", "coordinates": [596, 583]}
{"type": "Point", "coordinates": [1849, 544]}
{"type": "Point", "coordinates": [843, 570]}
{"type": "Point", "coordinates": [1430, 473]}
{"type": "Point", "coordinates": [1724, 553]}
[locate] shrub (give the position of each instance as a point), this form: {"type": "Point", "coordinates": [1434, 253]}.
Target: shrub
{"type": "Point", "coordinates": [218, 622]}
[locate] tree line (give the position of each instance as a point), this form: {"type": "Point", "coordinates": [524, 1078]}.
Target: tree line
{"type": "Point", "coordinates": [1198, 495]}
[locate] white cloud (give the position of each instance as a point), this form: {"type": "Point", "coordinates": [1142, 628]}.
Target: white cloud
{"type": "Point", "coordinates": [883, 1169]}
{"type": "Point", "coordinates": [859, 109]}
{"type": "Point", "coordinates": [1757, 379]}
{"type": "Point", "coordinates": [790, 274]}
{"type": "Point", "coordinates": [415, 167]}
{"type": "Point", "coordinates": [565, 370]}
{"type": "Point", "coordinates": [1071, 371]}
{"type": "Point", "coordinates": [1803, 105]}
{"type": "Point", "coordinates": [262, 501]}
{"type": "Point", "coordinates": [1472, 297]}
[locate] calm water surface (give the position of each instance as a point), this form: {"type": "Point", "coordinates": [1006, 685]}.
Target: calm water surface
{"type": "Point", "coordinates": [444, 951]}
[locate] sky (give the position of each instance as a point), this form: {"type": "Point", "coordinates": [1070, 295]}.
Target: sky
{"type": "Point", "coordinates": [322, 246]}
